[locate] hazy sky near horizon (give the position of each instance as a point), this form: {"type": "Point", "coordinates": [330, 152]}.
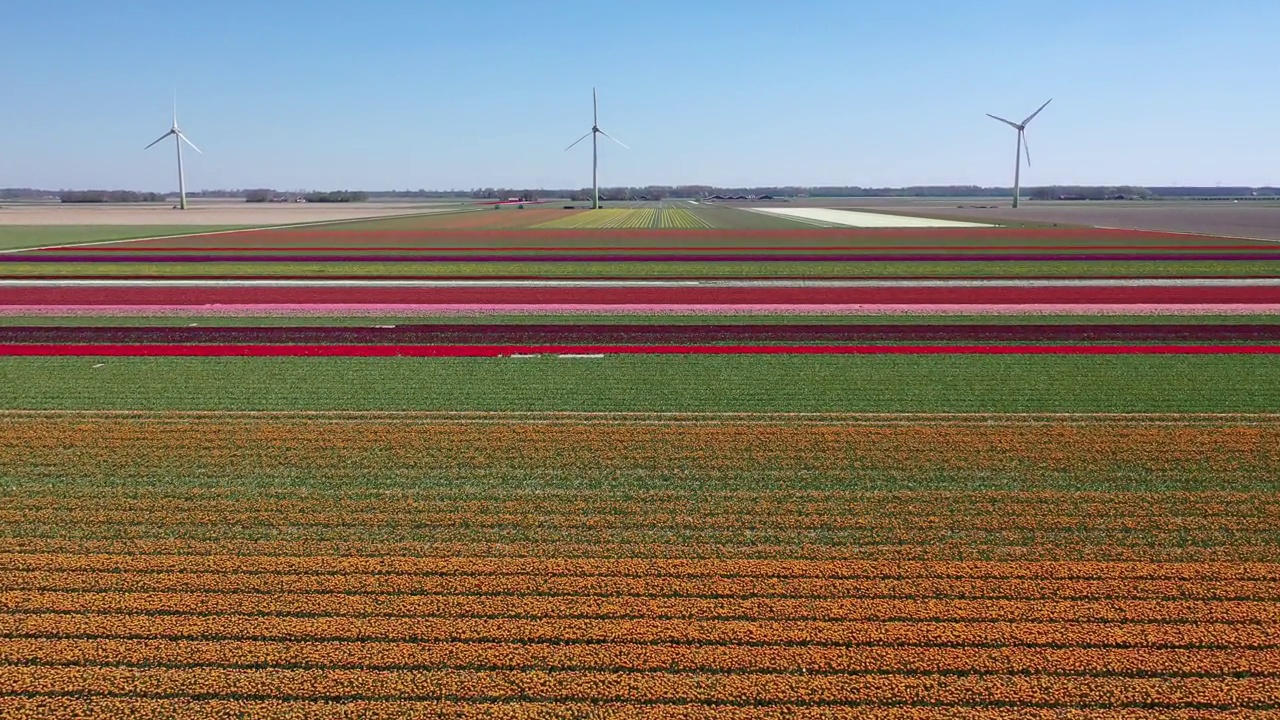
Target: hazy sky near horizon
{"type": "Point", "coordinates": [396, 94]}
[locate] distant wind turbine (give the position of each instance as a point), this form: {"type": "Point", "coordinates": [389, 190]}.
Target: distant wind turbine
{"type": "Point", "coordinates": [1022, 143]}
{"type": "Point", "coordinates": [178, 138]}
{"type": "Point", "coordinates": [595, 150]}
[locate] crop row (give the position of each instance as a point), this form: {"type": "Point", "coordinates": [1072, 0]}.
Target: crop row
{"type": "Point", "coordinates": [1124, 508]}
{"type": "Point", "coordinates": [705, 587]}
{"type": "Point", "coordinates": [182, 559]}
{"type": "Point", "coordinates": [638, 334]}
{"type": "Point", "coordinates": [1133, 662]}
{"type": "Point", "coordinates": [609, 219]}
{"type": "Point", "coordinates": [336, 268]}
{"type": "Point", "coordinates": [1222, 504]}
{"type": "Point", "coordinates": [585, 532]}
{"type": "Point", "coordinates": [53, 294]}
{"type": "Point", "coordinates": [264, 350]}
{"type": "Point", "coordinates": [647, 687]}
{"type": "Point", "coordinates": [59, 708]}
{"type": "Point", "coordinates": [575, 244]}
{"type": "Point", "coordinates": [443, 231]}
{"type": "Point", "coordinates": [68, 447]}
{"type": "Point", "coordinates": [681, 218]}
{"type": "Point", "coordinates": [468, 606]}
{"type": "Point", "coordinates": [755, 632]}
{"type": "Point", "coordinates": [608, 517]}
{"type": "Point", "coordinates": [668, 549]}
{"type": "Point", "coordinates": [1157, 546]}
{"type": "Point", "coordinates": [623, 514]}
{"type": "Point", "coordinates": [379, 246]}
{"type": "Point", "coordinates": [955, 256]}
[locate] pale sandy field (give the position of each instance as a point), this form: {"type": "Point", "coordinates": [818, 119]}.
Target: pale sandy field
{"type": "Point", "coordinates": [853, 218]}
{"type": "Point", "coordinates": [208, 213]}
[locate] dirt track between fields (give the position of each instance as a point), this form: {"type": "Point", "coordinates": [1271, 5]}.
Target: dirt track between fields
{"type": "Point", "coordinates": [205, 214]}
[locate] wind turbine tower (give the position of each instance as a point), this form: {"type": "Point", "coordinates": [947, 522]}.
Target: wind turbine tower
{"type": "Point", "coordinates": [593, 133]}
{"type": "Point", "coordinates": [178, 138]}
{"type": "Point", "coordinates": [1022, 143]}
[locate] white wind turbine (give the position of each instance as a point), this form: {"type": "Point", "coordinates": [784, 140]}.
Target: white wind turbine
{"type": "Point", "coordinates": [595, 150]}
{"type": "Point", "coordinates": [178, 138]}
{"type": "Point", "coordinates": [1022, 143]}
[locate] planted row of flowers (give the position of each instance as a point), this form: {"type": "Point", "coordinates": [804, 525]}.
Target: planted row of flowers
{"type": "Point", "coordinates": [611, 334]}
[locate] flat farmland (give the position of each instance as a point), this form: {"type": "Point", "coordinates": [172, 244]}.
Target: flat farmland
{"type": "Point", "coordinates": [1258, 219]}
{"type": "Point", "coordinates": [659, 460]}
{"type": "Point", "coordinates": [204, 212]}
{"type": "Point", "coordinates": [650, 243]}
{"type": "Point", "coordinates": [18, 237]}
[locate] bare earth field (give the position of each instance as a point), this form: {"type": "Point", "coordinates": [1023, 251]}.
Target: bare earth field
{"type": "Point", "coordinates": [1255, 220]}
{"type": "Point", "coordinates": [209, 213]}
{"type": "Point", "coordinates": [1243, 220]}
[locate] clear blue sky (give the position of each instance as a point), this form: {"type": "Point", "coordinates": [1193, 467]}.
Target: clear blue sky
{"type": "Point", "coordinates": [411, 93]}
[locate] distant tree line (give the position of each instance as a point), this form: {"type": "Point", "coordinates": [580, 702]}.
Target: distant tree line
{"type": "Point", "coordinates": [1051, 192]}
{"type": "Point", "coordinates": [26, 194]}
{"type": "Point", "coordinates": [336, 196]}
{"type": "Point", "coordinates": [108, 196]}
{"type": "Point", "coordinates": [1217, 191]}
{"type": "Point", "coordinates": [1091, 192]}
{"type": "Point", "coordinates": [507, 194]}
{"type": "Point", "coordinates": [659, 192]}
{"type": "Point", "coordinates": [261, 195]}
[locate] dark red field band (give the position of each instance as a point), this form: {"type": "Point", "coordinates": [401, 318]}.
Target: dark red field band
{"type": "Point", "coordinates": [729, 295]}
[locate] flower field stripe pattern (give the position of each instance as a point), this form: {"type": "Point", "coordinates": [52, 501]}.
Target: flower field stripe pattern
{"type": "Point", "coordinates": [642, 657]}
{"type": "Point", "coordinates": [166, 295]}
{"type": "Point", "coordinates": [610, 218]}
{"type": "Point", "coordinates": [635, 257]}
{"type": "Point", "coordinates": [564, 333]}
{"type": "Point", "coordinates": [502, 230]}
{"type": "Point", "coordinates": [336, 563]}
{"type": "Point", "coordinates": [1229, 449]}
{"type": "Point", "coordinates": [657, 687]}
{"type": "Point", "coordinates": [138, 248]}
{"type": "Point", "coordinates": [682, 218]}
{"type": "Point", "coordinates": [850, 638]}
{"type": "Point", "coordinates": [58, 708]}
{"type": "Point", "coordinates": [560, 585]}
{"type": "Point", "coordinates": [587, 309]}
{"type": "Point", "coordinates": [152, 564]}
{"type": "Point", "coordinates": [266, 350]}
{"type": "Point", "coordinates": [285, 301]}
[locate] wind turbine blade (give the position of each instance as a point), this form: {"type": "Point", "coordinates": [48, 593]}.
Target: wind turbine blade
{"type": "Point", "coordinates": [1010, 123]}
{"type": "Point", "coordinates": [1026, 148]}
{"type": "Point", "coordinates": [153, 144]}
{"type": "Point", "coordinates": [1037, 112]}
{"type": "Point", "coordinates": [575, 142]}
{"type": "Point", "coordinates": [595, 107]}
{"type": "Point", "coordinates": [193, 145]}
{"type": "Point", "coordinates": [614, 139]}
{"type": "Point", "coordinates": [175, 108]}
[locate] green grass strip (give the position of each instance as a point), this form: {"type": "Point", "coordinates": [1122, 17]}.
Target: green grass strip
{"type": "Point", "coordinates": [913, 383]}
{"type": "Point", "coordinates": [13, 237]}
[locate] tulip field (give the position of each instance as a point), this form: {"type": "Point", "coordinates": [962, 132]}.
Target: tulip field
{"type": "Point", "coordinates": [546, 463]}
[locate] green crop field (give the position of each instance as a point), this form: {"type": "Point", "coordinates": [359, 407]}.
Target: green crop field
{"type": "Point", "coordinates": [13, 237]}
{"type": "Point", "coordinates": [913, 383]}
